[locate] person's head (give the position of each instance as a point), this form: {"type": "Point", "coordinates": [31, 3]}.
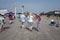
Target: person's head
{"type": "Point", "coordinates": [9, 15]}
{"type": "Point", "coordinates": [30, 13]}
{"type": "Point", "coordinates": [37, 14]}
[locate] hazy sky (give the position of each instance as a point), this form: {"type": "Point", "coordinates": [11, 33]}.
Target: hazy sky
{"type": "Point", "coordinates": [31, 5]}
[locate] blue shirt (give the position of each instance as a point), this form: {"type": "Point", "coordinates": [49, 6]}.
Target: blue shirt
{"type": "Point", "coordinates": [22, 18]}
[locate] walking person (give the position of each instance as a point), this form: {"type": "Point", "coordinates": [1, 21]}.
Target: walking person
{"type": "Point", "coordinates": [38, 22]}
{"type": "Point", "coordinates": [1, 22]}
{"type": "Point", "coordinates": [52, 22]}
{"type": "Point", "coordinates": [22, 20]}
{"type": "Point", "coordinates": [10, 19]}
{"type": "Point", "coordinates": [30, 21]}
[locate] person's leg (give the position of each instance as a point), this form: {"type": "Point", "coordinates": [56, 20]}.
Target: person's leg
{"type": "Point", "coordinates": [9, 21]}
{"type": "Point", "coordinates": [3, 22]}
{"type": "Point", "coordinates": [30, 28]}
{"type": "Point", "coordinates": [51, 23]}
{"type": "Point", "coordinates": [1, 26]}
{"type": "Point", "coordinates": [38, 26]}
{"type": "Point", "coordinates": [23, 26]}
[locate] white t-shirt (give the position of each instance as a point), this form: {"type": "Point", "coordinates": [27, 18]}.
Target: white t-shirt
{"type": "Point", "coordinates": [30, 18]}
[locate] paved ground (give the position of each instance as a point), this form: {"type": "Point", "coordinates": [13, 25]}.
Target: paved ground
{"type": "Point", "coordinates": [46, 32]}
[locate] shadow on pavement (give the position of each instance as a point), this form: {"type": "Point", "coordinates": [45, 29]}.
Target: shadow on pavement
{"type": "Point", "coordinates": [4, 28]}
{"type": "Point", "coordinates": [34, 28]}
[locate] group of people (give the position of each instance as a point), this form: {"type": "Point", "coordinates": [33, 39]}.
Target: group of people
{"type": "Point", "coordinates": [23, 18]}
{"type": "Point", "coordinates": [30, 19]}
{"type": "Point", "coordinates": [26, 18]}
{"type": "Point", "coordinates": [2, 20]}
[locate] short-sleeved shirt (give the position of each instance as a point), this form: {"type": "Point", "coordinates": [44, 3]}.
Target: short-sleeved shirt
{"type": "Point", "coordinates": [38, 17]}
{"type": "Point", "coordinates": [10, 17]}
{"type": "Point", "coordinates": [30, 18]}
{"type": "Point", "coordinates": [22, 18]}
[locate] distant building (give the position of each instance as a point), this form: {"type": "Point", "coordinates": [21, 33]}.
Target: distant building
{"type": "Point", "coordinates": [56, 12]}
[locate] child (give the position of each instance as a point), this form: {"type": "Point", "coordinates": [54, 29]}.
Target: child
{"type": "Point", "coordinates": [53, 22]}
{"type": "Point", "coordinates": [38, 22]}
{"type": "Point", "coordinates": [22, 19]}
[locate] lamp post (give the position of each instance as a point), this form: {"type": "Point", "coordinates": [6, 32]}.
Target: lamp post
{"type": "Point", "coordinates": [15, 11]}
{"type": "Point", "coordinates": [22, 9]}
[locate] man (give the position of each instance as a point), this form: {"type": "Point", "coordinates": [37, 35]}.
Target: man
{"type": "Point", "coordinates": [1, 22]}
{"type": "Point", "coordinates": [22, 19]}
{"type": "Point", "coordinates": [53, 22]}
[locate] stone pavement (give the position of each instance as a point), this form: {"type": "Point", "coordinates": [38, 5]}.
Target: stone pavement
{"type": "Point", "coordinates": [46, 32]}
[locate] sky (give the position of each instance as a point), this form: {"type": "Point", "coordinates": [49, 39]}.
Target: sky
{"type": "Point", "coordinates": [35, 6]}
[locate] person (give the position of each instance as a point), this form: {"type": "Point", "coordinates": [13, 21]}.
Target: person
{"type": "Point", "coordinates": [22, 20]}
{"type": "Point", "coordinates": [53, 22]}
{"type": "Point", "coordinates": [1, 22]}
{"type": "Point", "coordinates": [38, 22]}
{"type": "Point", "coordinates": [10, 18]}
{"type": "Point", "coordinates": [30, 21]}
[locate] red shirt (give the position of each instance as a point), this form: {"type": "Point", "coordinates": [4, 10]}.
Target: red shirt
{"type": "Point", "coordinates": [10, 17]}
{"type": "Point", "coordinates": [38, 17]}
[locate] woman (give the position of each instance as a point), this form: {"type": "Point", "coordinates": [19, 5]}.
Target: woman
{"type": "Point", "coordinates": [30, 21]}
{"type": "Point", "coordinates": [38, 22]}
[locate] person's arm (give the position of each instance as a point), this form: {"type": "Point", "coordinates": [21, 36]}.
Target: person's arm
{"type": "Point", "coordinates": [3, 20]}
{"type": "Point", "coordinates": [40, 18]}
{"type": "Point", "coordinates": [27, 19]}
{"type": "Point", "coordinates": [33, 17]}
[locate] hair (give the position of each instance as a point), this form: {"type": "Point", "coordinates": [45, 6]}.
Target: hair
{"type": "Point", "coordinates": [30, 13]}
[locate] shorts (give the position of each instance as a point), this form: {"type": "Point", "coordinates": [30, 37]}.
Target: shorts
{"type": "Point", "coordinates": [30, 24]}
{"type": "Point", "coordinates": [52, 22]}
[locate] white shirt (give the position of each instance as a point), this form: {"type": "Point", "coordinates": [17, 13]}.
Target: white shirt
{"type": "Point", "coordinates": [52, 20]}
{"type": "Point", "coordinates": [30, 18]}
